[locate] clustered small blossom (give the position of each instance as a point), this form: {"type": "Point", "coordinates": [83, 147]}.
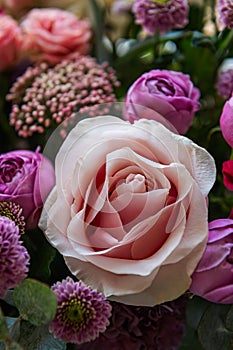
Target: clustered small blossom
{"type": "Point", "coordinates": [161, 16]}
{"type": "Point", "coordinates": [14, 258]}
{"type": "Point", "coordinates": [14, 212]}
{"type": "Point", "coordinates": [224, 14]}
{"type": "Point", "coordinates": [82, 312]}
{"type": "Point", "coordinates": [224, 84]}
{"type": "Point", "coordinates": [135, 327]}
{"type": "Point", "coordinates": [44, 96]}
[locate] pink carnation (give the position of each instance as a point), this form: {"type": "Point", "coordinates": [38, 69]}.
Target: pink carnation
{"type": "Point", "coordinates": [10, 41]}
{"type": "Point", "coordinates": [53, 35]}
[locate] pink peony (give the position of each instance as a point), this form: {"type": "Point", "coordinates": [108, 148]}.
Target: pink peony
{"type": "Point", "coordinates": [213, 277]}
{"type": "Point", "coordinates": [53, 35]}
{"type": "Point", "coordinates": [133, 203]}
{"type": "Point", "coordinates": [170, 94]}
{"type": "Point", "coordinates": [10, 41]}
{"type": "Point", "coordinates": [26, 178]}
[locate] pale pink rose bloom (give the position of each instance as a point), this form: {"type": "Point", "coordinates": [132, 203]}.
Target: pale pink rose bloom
{"type": "Point", "coordinates": [53, 35]}
{"type": "Point", "coordinates": [10, 41]}
{"type": "Point", "coordinates": [128, 211]}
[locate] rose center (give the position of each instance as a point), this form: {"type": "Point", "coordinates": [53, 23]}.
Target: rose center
{"type": "Point", "coordinates": [161, 86]}
{"type": "Point", "coordinates": [8, 170]}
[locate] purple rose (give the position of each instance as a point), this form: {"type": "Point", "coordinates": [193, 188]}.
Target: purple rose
{"type": "Point", "coordinates": [26, 178]}
{"type": "Point", "coordinates": [226, 122]}
{"type": "Point", "coordinates": [168, 93]}
{"type": "Point", "coordinates": [213, 277]}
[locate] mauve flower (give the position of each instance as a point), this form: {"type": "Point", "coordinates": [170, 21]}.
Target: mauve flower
{"type": "Point", "coordinates": [26, 178]}
{"type": "Point", "coordinates": [53, 35]}
{"type": "Point", "coordinates": [224, 14]}
{"type": "Point", "coordinates": [161, 16]}
{"type": "Point", "coordinates": [133, 204]}
{"type": "Point", "coordinates": [213, 277]}
{"type": "Point", "coordinates": [170, 94]}
{"type": "Point", "coordinates": [14, 258]}
{"type": "Point", "coordinates": [82, 313]}
{"type": "Point", "coordinates": [224, 84]}
{"type": "Point", "coordinates": [43, 96]}
{"type": "Point", "coordinates": [226, 122]}
{"type": "Point", "coordinates": [10, 41]}
{"type": "Point", "coordinates": [135, 328]}
{"type": "Point", "coordinates": [227, 171]}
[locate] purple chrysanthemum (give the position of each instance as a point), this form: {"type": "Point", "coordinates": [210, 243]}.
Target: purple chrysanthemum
{"type": "Point", "coordinates": [135, 327]}
{"type": "Point", "coordinates": [44, 96]}
{"type": "Point", "coordinates": [14, 212]}
{"type": "Point", "coordinates": [161, 15]}
{"type": "Point", "coordinates": [14, 258]}
{"type": "Point", "coordinates": [224, 14]}
{"type": "Point", "coordinates": [224, 83]}
{"type": "Point", "coordinates": [82, 312]}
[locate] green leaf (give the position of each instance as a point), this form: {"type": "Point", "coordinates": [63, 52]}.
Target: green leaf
{"type": "Point", "coordinates": [229, 319]}
{"type": "Point", "coordinates": [37, 338]}
{"type": "Point", "coordinates": [35, 302]}
{"type": "Point", "coordinates": [212, 331]}
{"type": "Point", "coordinates": [14, 346]}
{"type": "Point", "coordinates": [4, 334]}
{"type": "Point", "coordinates": [36, 243]}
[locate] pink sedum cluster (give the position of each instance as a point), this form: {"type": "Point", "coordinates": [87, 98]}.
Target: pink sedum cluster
{"type": "Point", "coordinates": [11, 39]}
{"type": "Point", "coordinates": [52, 35]}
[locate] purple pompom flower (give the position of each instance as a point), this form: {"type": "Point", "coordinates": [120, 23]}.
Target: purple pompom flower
{"type": "Point", "coordinates": [14, 258]}
{"type": "Point", "coordinates": [137, 327]}
{"type": "Point", "coordinates": [224, 14]}
{"type": "Point", "coordinates": [82, 312]}
{"type": "Point", "coordinates": [13, 211]}
{"type": "Point", "coordinates": [161, 15]}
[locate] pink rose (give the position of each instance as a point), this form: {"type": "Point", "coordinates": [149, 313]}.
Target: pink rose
{"type": "Point", "coordinates": [53, 35]}
{"type": "Point", "coordinates": [213, 277]}
{"type": "Point", "coordinates": [10, 41]}
{"type": "Point", "coordinates": [26, 178]}
{"type": "Point", "coordinates": [168, 93]}
{"type": "Point", "coordinates": [226, 122]}
{"type": "Point", "coordinates": [133, 203]}
{"type": "Point", "coordinates": [227, 171]}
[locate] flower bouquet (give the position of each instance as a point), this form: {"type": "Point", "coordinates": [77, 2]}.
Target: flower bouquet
{"type": "Point", "coordinates": [116, 175]}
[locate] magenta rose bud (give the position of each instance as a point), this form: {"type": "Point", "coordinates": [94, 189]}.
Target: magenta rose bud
{"type": "Point", "coordinates": [227, 171]}
{"type": "Point", "coordinates": [226, 122]}
{"type": "Point", "coordinates": [168, 93]}
{"type": "Point", "coordinates": [26, 178]}
{"type": "Point", "coordinates": [213, 277]}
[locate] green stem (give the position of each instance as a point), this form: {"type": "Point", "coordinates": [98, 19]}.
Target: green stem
{"type": "Point", "coordinates": [148, 43]}
{"type": "Point", "coordinates": [223, 50]}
